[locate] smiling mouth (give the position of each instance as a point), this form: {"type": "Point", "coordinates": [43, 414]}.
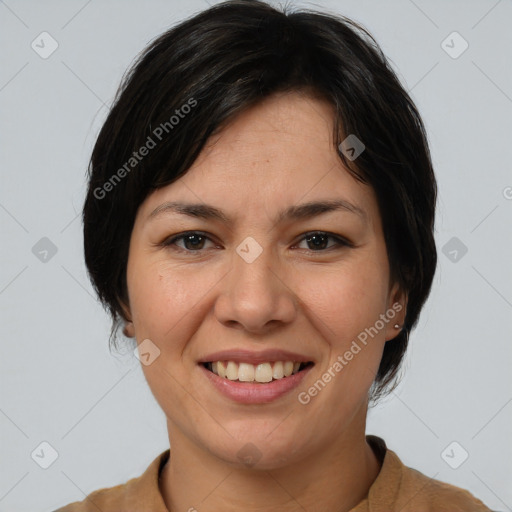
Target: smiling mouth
{"type": "Point", "coordinates": [260, 373]}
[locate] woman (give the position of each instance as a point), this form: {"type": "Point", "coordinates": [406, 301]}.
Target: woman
{"type": "Point", "coordinates": [260, 218]}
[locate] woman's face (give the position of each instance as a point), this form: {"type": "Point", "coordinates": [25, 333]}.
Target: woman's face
{"type": "Point", "coordinates": [256, 287]}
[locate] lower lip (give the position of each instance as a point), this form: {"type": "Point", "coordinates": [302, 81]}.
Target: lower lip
{"type": "Point", "coordinates": [255, 393]}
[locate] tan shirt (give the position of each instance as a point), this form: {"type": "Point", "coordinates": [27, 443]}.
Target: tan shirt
{"type": "Point", "coordinates": [396, 488]}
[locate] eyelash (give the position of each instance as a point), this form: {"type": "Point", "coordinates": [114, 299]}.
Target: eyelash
{"type": "Point", "coordinates": [170, 243]}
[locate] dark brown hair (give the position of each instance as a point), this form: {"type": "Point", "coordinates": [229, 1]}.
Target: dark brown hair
{"type": "Point", "coordinates": [194, 78]}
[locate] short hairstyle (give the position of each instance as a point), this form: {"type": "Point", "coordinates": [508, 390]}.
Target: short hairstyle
{"type": "Point", "coordinates": [196, 77]}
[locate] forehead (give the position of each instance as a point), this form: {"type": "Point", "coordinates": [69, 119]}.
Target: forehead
{"type": "Point", "coordinates": [283, 123]}
{"type": "Point", "coordinates": [278, 153]}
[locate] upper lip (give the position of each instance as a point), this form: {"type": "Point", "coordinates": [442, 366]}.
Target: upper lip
{"type": "Point", "coordinates": [249, 356]}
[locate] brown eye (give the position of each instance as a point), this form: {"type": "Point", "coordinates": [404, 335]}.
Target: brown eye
{"type": "Point", "coordinates": [193, 241]}
{"type": "Point", "coordinates": [318, 241]}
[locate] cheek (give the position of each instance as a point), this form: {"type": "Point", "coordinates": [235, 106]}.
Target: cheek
{"type": "Point", "coordinates": [166, 300]}
{"type": "Point", "coordinates": [346, 304]}
{"type": "Point", "coordinates": [166, 308]}
{"type": "Point", "coordinates": [347, 299]}
{"type": "Point", "coordinates": [343, 300]}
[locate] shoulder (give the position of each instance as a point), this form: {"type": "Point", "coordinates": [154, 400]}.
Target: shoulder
{"type": "Point", "coordinates": [138, 494]}
{"type": "Point", "coordinates": [420, 493]}
{"type": "Point", "coordinates": [399, 487]}
{"type": "Point", "coordinates": [108, 499]}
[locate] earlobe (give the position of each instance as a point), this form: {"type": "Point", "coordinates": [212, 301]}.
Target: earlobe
{"type": "Point", "coordinates": [393, 330]}
{"type": "Point", "coordinates": [128, 330]}
{"type": "Point", "coordinates": [397, 311]}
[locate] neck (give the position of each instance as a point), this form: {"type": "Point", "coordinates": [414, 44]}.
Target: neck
{"type": "Point", "coordinates": [334, 478]}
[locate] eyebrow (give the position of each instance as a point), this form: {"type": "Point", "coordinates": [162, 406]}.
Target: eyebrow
{"type": "Point", "coordinates": [295, 212]}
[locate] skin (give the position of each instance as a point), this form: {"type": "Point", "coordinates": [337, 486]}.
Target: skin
{"type": "Point", "coordinates": [315, 456]}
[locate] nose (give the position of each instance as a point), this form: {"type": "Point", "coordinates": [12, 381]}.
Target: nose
{"type": "Point", "coordinates": [257, 295]}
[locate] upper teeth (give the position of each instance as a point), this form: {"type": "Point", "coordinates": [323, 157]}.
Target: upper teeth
{"type": "Point", "coordinates": [263, 372]}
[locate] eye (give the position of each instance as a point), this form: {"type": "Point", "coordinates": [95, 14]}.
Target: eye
{"type": "Point", "coordinates": [193, 241]}
{"type": "Point", "coordinates": [318, 240]}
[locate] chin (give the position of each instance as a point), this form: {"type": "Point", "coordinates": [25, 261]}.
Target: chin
{"type": "Point", "coordinates": [256, 449]}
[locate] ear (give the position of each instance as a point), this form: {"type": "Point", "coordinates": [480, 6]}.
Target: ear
{"type": "Point", "coordinates": [128, 329]}
{"type": "Point", "coordinates": [395, 312]}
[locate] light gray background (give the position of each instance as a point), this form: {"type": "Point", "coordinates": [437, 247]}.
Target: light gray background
{"type": "Point", "coordinates": [59, 382]}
